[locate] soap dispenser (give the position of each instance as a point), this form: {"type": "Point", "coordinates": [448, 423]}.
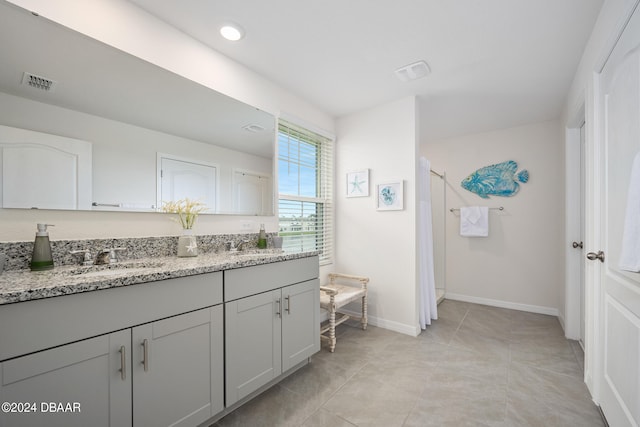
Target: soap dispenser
{"type": "Point", "coordinates": [42, 258]}
{"type": "Point", "coordinates": [262, 238]}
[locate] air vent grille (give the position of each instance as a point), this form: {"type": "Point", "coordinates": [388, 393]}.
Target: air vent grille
{"type": "Point", "coordinates": [253, 128]}
{"type": "Point", "coordinates": [414, 71]}
{"type": "Point", "coordinates": [38, 82]}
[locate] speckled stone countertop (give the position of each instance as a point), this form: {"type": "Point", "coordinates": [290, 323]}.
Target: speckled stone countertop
{"type": "Point", "coordinates": [20, 286]}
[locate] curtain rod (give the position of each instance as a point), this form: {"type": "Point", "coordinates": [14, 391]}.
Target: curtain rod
{"type": "Point", "coordinates": [436, 173]}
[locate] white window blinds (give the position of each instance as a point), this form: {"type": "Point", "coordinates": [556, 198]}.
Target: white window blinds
{"type": "Point", "coordinates": [305, 187]}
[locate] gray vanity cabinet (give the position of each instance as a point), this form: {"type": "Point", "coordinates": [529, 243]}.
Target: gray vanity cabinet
{"type": "Point", "coordinates": [156, 353]}
{"type": "Point", "coordinates": [177, 369]}
{"type": "Point", "coordinates": [300, 322]}
{"type": "Point", "coordinates": [84, 376]}
{"type": "Point", "coordinates": [162, 364]}
{"type": "Point", "coordinates": [171, 368]}
{"type": "Point", "coordinates": [271, 323]}
{"type": "Point", "coordinates": [253, 344]}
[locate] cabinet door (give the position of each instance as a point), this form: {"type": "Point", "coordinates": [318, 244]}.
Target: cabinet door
{"type": "Point", "coordinates": [300, 322]}
{"type": "Point", "coordinates": [253, 343]}
{"type": "Point", "coordinates": [178, 369]}
{"type": "Point", "coordinates": [79, 384]}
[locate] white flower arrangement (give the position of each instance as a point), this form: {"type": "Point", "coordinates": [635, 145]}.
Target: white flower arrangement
{"type": "Point", "coordinates": [187, 210]}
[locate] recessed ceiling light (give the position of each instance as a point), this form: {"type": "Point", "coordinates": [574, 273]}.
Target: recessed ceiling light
{"type": "Point", "coordinates": [232, 32]}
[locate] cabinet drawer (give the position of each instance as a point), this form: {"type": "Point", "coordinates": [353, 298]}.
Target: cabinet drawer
{"type": "Point", "coordinates": [36, 325]}
{"type": "Point", "coordinates": [247, 281]}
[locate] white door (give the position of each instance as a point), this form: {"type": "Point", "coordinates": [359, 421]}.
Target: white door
{"type": "Point", "coordinates": [618, 294]}
{"type": "Point", "coordinates": [43, 171]}
{"type": "Point", "coordinates": [181, 179]}
{"type": "Point", "coordinates": [247, 193]}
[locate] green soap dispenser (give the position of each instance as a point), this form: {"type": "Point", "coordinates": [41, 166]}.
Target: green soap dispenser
{"type": "Point", "coordinates": [42, 258]}
{"type": "Point", "coordinates": [262, 238]}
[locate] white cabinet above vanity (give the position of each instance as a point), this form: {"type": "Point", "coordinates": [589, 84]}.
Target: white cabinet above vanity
{"type": "Point", "coordinates": [152, 353]}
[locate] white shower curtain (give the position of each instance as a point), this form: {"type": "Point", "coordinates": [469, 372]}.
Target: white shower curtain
{"type": "Point", "coordinates": [427, 285]}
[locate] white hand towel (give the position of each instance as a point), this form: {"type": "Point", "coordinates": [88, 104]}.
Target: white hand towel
{"type": "Point", "coordinates": [474, 221]}
{"type": "Point", "coordinates": [630, 254]}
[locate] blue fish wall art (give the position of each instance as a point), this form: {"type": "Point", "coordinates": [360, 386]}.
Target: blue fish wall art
{"type": "Point", "coordinates": [496, 180]}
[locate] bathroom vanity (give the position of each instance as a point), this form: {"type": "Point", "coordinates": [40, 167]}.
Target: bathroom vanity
{"type": "Point", "coordinates": [167, 342]}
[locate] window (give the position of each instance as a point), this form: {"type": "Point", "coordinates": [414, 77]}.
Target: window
{"type": "Point", "coordinates": [305, 183]}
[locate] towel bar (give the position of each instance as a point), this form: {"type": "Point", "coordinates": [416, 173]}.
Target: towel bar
{"type": "Point", "coordinates": [457, 209]}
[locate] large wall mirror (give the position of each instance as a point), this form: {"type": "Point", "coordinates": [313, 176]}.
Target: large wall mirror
{"type": "Point", "coordinates": [144, 134]}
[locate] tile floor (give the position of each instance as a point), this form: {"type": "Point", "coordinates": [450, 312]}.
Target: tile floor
{"type": "Point", "coordinates": [474, 366]}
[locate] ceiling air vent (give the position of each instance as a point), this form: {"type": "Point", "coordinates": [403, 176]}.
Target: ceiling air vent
{"type": "Point", "coordinates": [38, 82]}
{"type": "Point", "coordinates": [253, 128]}
{"type": "Point", "coordinates": [414, 71]}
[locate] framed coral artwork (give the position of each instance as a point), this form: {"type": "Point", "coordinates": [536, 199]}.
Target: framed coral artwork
{"type": "Point", "coordinates": [358, 183]}
{"type": "Point", "coordinates": [390, 196]}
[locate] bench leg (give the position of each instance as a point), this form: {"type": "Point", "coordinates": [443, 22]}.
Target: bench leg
{"type": "Point", "coordinates": [332, 328]}
{"type": "Point", "coordinates": [364, 319]}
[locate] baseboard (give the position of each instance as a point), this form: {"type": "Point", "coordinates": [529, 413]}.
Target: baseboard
{"type": "Point", "coordinates": [402, 328]}
{"type": "Point", "coordinates": [414, 331]}
{"type": "Point", "coordinates": [504, 304]}
{"type": "Point", "coordinates": [561, 320]}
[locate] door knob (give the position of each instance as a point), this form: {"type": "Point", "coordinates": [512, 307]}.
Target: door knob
{"type": "Point", "coordinates": [594, 256]}
{"type": "Point", "coordinates": [577, 245]}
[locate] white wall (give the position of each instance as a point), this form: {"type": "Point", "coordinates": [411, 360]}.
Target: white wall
{"type": "Point", "coordinates": [611, 18]}
{"type": "Point", "coordinates": [126, 27]}
{"type": "Point", "coordinates": [521, 264]}
{"type": "Point", "coordinates": [380, 245]}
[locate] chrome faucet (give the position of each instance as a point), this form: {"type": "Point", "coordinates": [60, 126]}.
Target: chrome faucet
{"type": "Point", "coordinates": [4, 260]}
{"type": "Point", "coordinates": [86, 256]}
{"type": "Point", "coordinates": [108, 256]}
{"type": "Point", "coordinates": [233, 248]}
{"type": "Point", "coordinates": [102, 257]}
{"type": "Point", "coordinates": [242, 244]}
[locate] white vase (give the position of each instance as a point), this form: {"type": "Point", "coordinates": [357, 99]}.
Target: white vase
{"type": "Point", "coordinates": [187, 245]}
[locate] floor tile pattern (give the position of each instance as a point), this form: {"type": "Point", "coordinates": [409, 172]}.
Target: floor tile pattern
{"type": "Point", "coordinates": [475, 366]}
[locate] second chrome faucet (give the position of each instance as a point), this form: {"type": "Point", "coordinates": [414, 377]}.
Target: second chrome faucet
{"type": "Point", "coordinates": [105, 256]}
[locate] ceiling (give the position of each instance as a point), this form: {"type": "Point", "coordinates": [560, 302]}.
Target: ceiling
{"type": "Point", "coordinates": [495, 63]}
{"type": "Point", "coordinates": [100, 80]}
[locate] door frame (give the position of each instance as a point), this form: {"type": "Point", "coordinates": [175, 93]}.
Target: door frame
{"type": "Point", "coordinates": [573, 232]}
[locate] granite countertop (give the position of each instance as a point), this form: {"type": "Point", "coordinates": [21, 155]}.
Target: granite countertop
{"type": "Point", "coordinates": [20, 286]}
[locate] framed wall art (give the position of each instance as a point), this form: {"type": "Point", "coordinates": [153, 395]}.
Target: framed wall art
{"type": "Point", "coordinates": [390, 196]}
{"type": "Point", "coordinates": [358, 183]}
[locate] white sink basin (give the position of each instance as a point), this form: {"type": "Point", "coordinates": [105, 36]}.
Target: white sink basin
{"type": "Point", "coordinates": [247, 255]}
{"type": "Point", "coordinates": [256, 253]}
{"type": "Point", "coordinates": [113, 272]}
{"type": "Point", "coordinates": [114, 269]}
